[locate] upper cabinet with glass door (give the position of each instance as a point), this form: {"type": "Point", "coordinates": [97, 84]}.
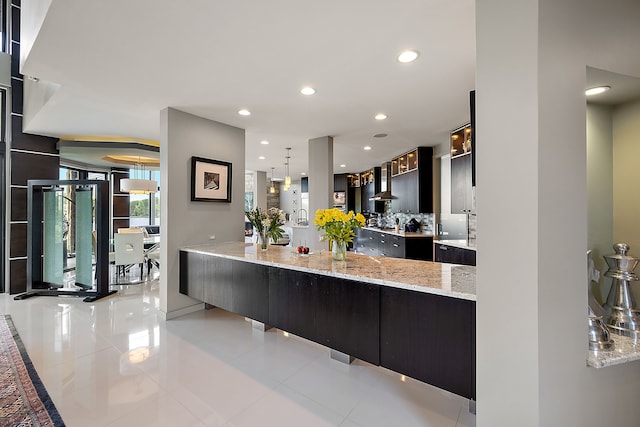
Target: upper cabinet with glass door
{"type": "Point", "coordinates": [406, 163]}
{"type": "Point", "coordinates": [461, 141]}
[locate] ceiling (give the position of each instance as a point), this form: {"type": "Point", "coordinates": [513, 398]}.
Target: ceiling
{"type": "Point", "coordinates": [117, 64]}
{"type": "Point", "coordinates": [111, 67]}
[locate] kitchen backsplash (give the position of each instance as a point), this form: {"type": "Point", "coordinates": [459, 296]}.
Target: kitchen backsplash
{"type": "Point", "coordinates": [426, 220]}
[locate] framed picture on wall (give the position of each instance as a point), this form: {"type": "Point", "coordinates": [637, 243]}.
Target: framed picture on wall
{"type": "Point", "coordinates": [210, 180]}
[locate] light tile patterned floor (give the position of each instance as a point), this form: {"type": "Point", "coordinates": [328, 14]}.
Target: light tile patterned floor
{"type": "Point", "coordinates": [113, 363]}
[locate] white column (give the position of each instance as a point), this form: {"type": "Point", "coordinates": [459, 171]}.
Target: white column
{"type": "Point", "coordinates": [532, 211]}
{"type": "Point", "coordinates": [320, 183]}
{"type": "Point", "coordinates": [260, 190]}
{"type": "Point", "coordinates": [185, 222]}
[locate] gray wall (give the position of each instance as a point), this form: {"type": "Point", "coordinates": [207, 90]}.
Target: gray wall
{"type": "Point", "coordinates": [532, 216]}
{"type": "Point", "coordinates": [600, 190]}
{"type": "Point", "coordinates": [626, 174]}
{"type": "Point", "coordinates": [190, 223]}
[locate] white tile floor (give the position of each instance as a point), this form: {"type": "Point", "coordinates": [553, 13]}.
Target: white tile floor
{"type": "Point", "coordinates": [113, 363]}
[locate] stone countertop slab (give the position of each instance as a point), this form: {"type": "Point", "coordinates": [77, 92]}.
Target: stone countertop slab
{"type": "Point", "coordinates": [406, 234]}
{"type": "Point", "coordinates": [423, 276]}
{"type": "Point", "coordinates": [462, 243]}
{"type": "Point", "coordinates": [625, 350]}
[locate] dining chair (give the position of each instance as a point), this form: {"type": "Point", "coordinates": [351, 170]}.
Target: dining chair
{"type": "Point", "coordinates": [129, 250]}
{"type": "Point", "coordinates": [153, 258]}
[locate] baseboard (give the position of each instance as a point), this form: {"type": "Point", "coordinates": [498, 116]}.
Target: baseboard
{"type": "Point", "coordinates": [181, 312]}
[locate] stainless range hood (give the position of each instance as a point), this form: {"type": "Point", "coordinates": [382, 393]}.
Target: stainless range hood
{"type": "Point", "coordinates": [385, 184]}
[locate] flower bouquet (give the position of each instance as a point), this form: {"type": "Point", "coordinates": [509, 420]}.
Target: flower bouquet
{"type": "Point", "coordinates": [267, 224]}
{"type": "Point", "coordinates": [339, 228]}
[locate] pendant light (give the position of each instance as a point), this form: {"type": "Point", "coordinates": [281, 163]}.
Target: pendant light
{"type": "Point", "coordinates": [287, 178]}
{"type": "Point", "coordinates": [138, 184]}
{"type": "Point", "coordinates": [272, 189]}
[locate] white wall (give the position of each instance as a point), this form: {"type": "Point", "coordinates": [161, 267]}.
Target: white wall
{"type": "Point", "coordinates": [190, 223]}
{"type": "Point", "coordinates": [532, 211]}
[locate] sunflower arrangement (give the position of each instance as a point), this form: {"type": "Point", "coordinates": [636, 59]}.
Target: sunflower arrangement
{"type": "Point", "coordinates": [337, 225]}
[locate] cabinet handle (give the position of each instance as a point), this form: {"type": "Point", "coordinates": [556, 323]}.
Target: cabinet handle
{"type": "Point", "coordinates": [381, 241]}
{"type": "Point", "coordinates": [395, 245]}
{"type": "Point", "coordinates": [443, 248]}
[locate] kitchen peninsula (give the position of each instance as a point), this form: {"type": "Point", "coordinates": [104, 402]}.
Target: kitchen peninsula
{"type": "Point", "coordinates": [413, 317]}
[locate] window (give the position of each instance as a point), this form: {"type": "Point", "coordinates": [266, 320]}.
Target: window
{"type": "Point", "coordinates": [144, 209]}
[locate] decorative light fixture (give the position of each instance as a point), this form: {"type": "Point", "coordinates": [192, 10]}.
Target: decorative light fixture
{"type": "Point", "coordinates": [272, 189]}
{"type": "Point", "coordinates": [287, 177]}
{"type": "Point", "coordinates": [596, 90]}
{"type": "Point", "coordinates": [138, 184]}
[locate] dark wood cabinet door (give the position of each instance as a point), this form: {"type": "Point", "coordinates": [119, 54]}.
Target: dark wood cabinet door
{"type": "Point", "coordinates": [251, 290]}
{"type": "Point", "coordinates": [192, 278]}
{"type": "Point", "coordinates": [220, 293]}
{"type": "Point", "coordinates": [453, 255]}
{"type": "Point", "coordinates": [461, 184]}
{"type": "Point", "coordinates": [338, 313]}
{"type": "Point", "coordinates": [291, 294]}
{"type": "Point", "coordinates": [419, 248]}
{"type": "Point", "coordinates": [340, 182]}
{"type": "Point", "coordinates": [347, 317]}
{"type": "Point", "coordinates": [430, 338]}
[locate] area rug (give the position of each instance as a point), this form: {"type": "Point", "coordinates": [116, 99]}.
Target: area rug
{"type": "Point", "coordinates": [23, 399]}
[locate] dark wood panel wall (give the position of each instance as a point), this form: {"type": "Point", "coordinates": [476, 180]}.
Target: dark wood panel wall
{"type": "Point", "coordinates": [32, 157]}
{"type": "Point", "coordinates": [119, 200]}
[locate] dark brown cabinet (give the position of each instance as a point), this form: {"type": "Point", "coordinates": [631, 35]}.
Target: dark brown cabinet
{"type": "Point", "coordinates": [412, 181]}
{"type": "Point", "coordinates": [461, 188]}
{"type": "Point", "coordinates": [454, 255]}
{"type": "Point", "coordinates": [370, 185]}
{"type": "Point", "coordinates": [425, 336]}
{"type": "Point", "coordinates": [429, 337]}
{"type": "Point", "coordinates": [379, 243]}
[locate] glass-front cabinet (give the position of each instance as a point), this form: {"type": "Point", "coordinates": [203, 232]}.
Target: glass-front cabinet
{"type": "Point", "coordinates": [405, 163]}
{"type": "Point", "coordinates": [461, 141]}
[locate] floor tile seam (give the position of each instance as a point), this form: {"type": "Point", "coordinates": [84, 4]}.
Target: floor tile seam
{"type": "Point", "coordinates": [166, 394]}
{"type": "Point", "coordinates": [80, 391]}
{"type": "Point", "coordinates": [275, 390]}
{"type": "Point", "coordinates": [320, 403]}
{"type": "Point", "coordinates": [225, 420]}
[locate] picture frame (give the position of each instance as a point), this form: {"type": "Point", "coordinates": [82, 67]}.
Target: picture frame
{"type": "Point", "coordinates": [210, 180]}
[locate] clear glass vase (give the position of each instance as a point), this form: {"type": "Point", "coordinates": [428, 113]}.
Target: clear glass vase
{"type": "Point", "coordinates": [263, 239]}
{"type": "Point", "coordinates": [339, 250]}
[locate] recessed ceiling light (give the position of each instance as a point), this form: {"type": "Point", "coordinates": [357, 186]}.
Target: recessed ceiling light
{"type": "Point", "coordinates": [380, 116]}
{"type": "Point", "coordinates": [264, 142]}
{"type": "Point", "coordinates": [307, 90]}
{"type": "Point", "coordinates": [303, 173]}
{"type": "Point", "coordinates": [367, 148]}
{"type": "Point", "coordinates": [596, 90]}
{"type": "Point", "coordinates": [261, 157]}
{"type": "Point", "coordinates": [408, 56]}
{"type": "Point", "coordinates": [244, 112]}
{"type": "Point", "coordinates": [343, 166]}
{"type": "Point", "coordinates": [380, 135]}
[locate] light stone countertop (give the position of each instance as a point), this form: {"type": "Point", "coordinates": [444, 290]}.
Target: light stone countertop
{"type": "Point", "coordinates": [625, 350]}
{"type": "Point", "coordinates": [457, 281]}
{"type": "Point", "coordinates": [462, 243]}
{"type": "Point", "coordinates": [400, 233]}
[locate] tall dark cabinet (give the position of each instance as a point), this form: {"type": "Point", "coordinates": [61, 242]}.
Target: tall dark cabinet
{"type": "Point", "coordinates": [369, 187]}
{"type": "Point", "coordinates": [412, 181]}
